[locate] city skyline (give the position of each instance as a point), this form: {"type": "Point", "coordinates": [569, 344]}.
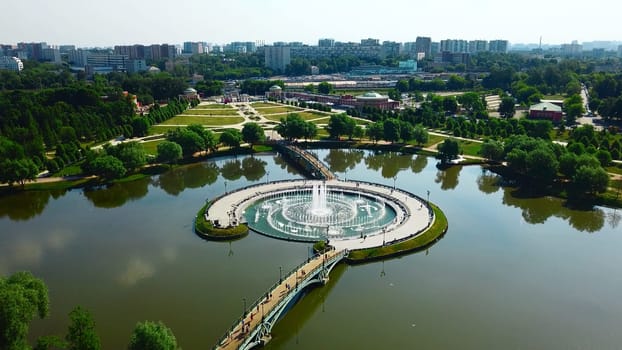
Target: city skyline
{"type": "Point", "coordinates": [75, 22]}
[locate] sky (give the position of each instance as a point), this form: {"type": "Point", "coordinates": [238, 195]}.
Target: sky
{"type": "Point", "coordinates": [87, 23]}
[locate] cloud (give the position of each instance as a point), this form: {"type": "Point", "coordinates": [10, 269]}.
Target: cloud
{"type": "Point", "coordinates": [136, 271]}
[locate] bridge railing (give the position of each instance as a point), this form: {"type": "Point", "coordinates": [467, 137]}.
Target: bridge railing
{"type": "Point", "coordinates": [272, 287]}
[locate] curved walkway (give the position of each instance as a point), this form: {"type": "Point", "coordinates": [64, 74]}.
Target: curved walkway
{"type": "Point", "coordinates": [228, 210]}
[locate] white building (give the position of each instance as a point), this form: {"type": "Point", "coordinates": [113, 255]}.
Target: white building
{"type": "Point", "coordinates": [11, 63]}
{"type": "Point", "coordinates": [277, 57]}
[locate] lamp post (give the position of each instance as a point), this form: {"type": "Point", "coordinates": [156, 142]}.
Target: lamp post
{"type": "Point", "coordinates": [244, 300]}
{"type": "Point", "coordinates": [428, 197]}
{"type": "Point", "coordinates": [394, 178]}
{"type": "Point", "coordinates": [280, 274]}
{"type": "Point", "coordinates": [267, 176]}
{"type": "Point", "coordinates": [225, 187]}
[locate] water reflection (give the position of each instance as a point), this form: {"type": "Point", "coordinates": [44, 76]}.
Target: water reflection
{"type": "Point", "coordinates": [340, 160]}
{"type": "Point", "coordinates": [25, 205]}
{"type": "Point", "coordinates": [281, 163]}
{"type": "Point", "coordinates": [177, 180]}
{"type": "Point", "coordinates": [251, 168]}
{"type": "Point", "coordinates": [389, 163]}
{"type": "Point", "coordinates": [539, 210]}
{"type": "Point", "coordinates": [419, 164]}
{"type": "Point", "coordinates": [448, 178]}
{"type": "Point", "coordinates": [488, 182]}
{"type": "Point", "coordinates": [20, 251]}
{"type": "Point", "coordinates": [115, 195]}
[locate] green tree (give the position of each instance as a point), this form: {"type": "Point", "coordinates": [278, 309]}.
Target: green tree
{"type": "Point", "coordinates": [448, 150]}
{"type": "Point", "coordinates": [253, 133]}
{"type": "Point", "coordinates": [420, 135]}
{"type": "Point", "coordinates": [340, 124]}
{"type": "Point", "coordinates": [209, 139]}
{"type": "Point", "coordinates": [140, 126]}
{"type": "Point", "coordinates": [168, 152]}
{"type": "Point", "coordinates": [568, 164]}
{"type": "Point", "coordinates": [591, 179]}
{"type": "Point", "coordinates": [22, 297]}
{"type": "Point", "coordinates": [324, 88]}
{"type": "Point", "coordinates": [506, 108]}
{"type": "Point", "coordinates": [108, 167]}
{"type": "Point", "coordinates": [542, 165]}
{"type": "Point", "coordinates": [392, 130]}
{"type": "Point", "coordinates": [132, 154]}
{"type": "Point", "coordinates": [189, 140]}
{"type": "Point", "coordinates": [152, 336]}
{"type": "Point", "coordinates": [375, 131]}
{"type": "Point", "coordinates": [292, 127]}
{"type": "Point", "coordinates": [492, 150]}
{"type": "Point", "coordinates": [18, 171]}
{"type": "Point", "coordinates": [81, 331]}
{"type": "Point", "coordinates": [231, 138]}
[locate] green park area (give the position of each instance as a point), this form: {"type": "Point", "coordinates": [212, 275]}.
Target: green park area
{"type": "Point", "coordinates": [210, 112]}
{"type": "Point", "coordinates": [212, 121]}
{"type": "Point", "coordinates": [281, 109]}
{"type": "Point", "coordinates": [214, 106]}
{"type": "Point", "coordinates": [307, 116]}
{"type": "Point", "coordinates": [263, 104]}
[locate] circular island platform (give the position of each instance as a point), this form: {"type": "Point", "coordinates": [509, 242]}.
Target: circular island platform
{"type": "Point", "coordinates": [349, 215]}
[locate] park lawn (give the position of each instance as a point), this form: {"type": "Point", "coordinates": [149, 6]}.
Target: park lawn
{"type": "Point", "coordinates": [214, 106]}
{"type": "Point", "coordinates": [263, 104]}
{"type": "Point", "coordinates": [470, 148]}
{"type": "Point", "coordinates": [160, 129]}
{"type": "Point", "coordinates": [321, 120]}
{"type": "Point", "coordinates": [434, 139]}
{"type": "Point", "coordinates": [210, 112]}
{"type": "Point", "coordinates": [565, 136]}
{"type": "Point", "coordinates": [283, 109]}
{"type": "Point", "coordinates": [304, 115]}
{"type": "Point", "coordinates": [362, 121]}
{"type": "Point", "coordinates": [151, 147]}
{"type": "Point", "coordinates": [187, 120]}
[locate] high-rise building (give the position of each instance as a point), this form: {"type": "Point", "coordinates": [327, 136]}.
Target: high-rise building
{"type": "Point", "coordinates": [478, 46]}
{"type": "Point", "coordinates": [277, 57]}
{"type": "Point", "coordinates": [370, 42]}
{"type": "Point", "coordinates": [498, 46]}
{"type": "Point", "coordinates": [110, 62]}
{"type": "Point", "coordinates": [326, 42]}
{"type": "Point", "coordinates": [51, 55]}
{"type": "Point", "coordinates": [193, 48]}
{"type": "Point", "coordinates": [391, 49]}
{"type": "Point", "coordinates": [454, 46]}
{"type": "Point", "coordinates": [410, 49]}
{"type": "Point", "coordinates": [78, 58]}
{"type": "Point", "coordinates": [34, 51]}
{"type": "Point", "coordinates": [11, 63]}
{"type": "Point", "coordinates": [424, 44]}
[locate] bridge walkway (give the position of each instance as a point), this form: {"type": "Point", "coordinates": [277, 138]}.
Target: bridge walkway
{"type": "Point", "coordinates": [254, 327]}
{"type": "Point", "coordinates": [317, 168]}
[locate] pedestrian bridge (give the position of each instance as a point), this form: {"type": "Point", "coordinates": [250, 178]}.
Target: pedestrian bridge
{"type": "Point", "coordinates": [255, 326]}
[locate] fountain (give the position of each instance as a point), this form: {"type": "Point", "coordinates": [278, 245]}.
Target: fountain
{"type": "Point", "coordinates": [318, 212]}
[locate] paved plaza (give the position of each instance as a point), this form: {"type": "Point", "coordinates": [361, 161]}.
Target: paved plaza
{"type": "Point", "coordinates": [413, 215]}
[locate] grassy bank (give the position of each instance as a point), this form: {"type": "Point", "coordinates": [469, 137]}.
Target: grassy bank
{"type": "Point", "coordinates": [426, 239]}
{"type": "Point", "coordinates": [206, 230]}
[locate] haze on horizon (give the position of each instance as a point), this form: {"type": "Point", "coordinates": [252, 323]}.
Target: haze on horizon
{"type": "Point", "coordinates": [117, 22]}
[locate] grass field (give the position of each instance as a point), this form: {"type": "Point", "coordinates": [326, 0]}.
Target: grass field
{"type": "Point", "coordinates": [151, 147]}
{"type": "Point", "coordinates": [263, 104]}
{"type": "Point", "coordinates": [211, 112]}
{"type": "Point", "coordinates": [273, 110]}
{"type": "Point", "coordinates": [434, 139]}
{"type": "Point", "coordinates": [214, 106]}
{"type": "Point", "coordinates": [187, 120]}
{"type": "Point", "coordinates": [321, 121]}
{"type": "Point", "coordinates": [160, 129]}
{"type": "Point", "coordinates": [470, 148]}
{"type": "Point", "coordinates": [304, 115]}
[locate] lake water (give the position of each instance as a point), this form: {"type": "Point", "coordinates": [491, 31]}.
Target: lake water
{"type": "Point", "coordinates": [511, 273]}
